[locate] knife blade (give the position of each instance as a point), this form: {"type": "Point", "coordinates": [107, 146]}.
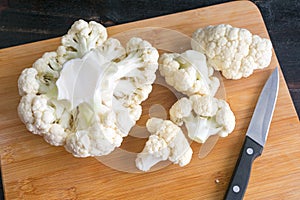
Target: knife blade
{"type": "Point", "coordinates": [255, 139]}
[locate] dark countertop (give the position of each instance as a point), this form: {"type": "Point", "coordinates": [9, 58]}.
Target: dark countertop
{"type": "Point", "coordinates": [24, 21]}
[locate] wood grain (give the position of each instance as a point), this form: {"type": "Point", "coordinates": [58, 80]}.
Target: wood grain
{"type": "Point", "coordinates": [32, 169]}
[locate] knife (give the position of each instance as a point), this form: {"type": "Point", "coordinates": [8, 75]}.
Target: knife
{"type": "Point", "coordinates": [256, 137]}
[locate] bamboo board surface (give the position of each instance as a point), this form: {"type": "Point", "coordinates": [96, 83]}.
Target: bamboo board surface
{"type": "Point", "coordinates": [32, 169]}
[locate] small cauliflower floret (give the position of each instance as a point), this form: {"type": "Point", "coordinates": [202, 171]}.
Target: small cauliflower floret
{"type": "Point", "coordinates": [56, 135]}
{"type": "Point", "coordinates": [166, 141]}
{"type": "Point", "coordinates": [36, 114]}
{"type": "Point", "coordinates": [41, 77]}
{"type": "Point", "coordinates": [208, 116]}
{"type": "Point", "coordinates": [96, 134]}
{"type": "Point", "coordinates": [48, 70]}
{"type": "Point", "coordinates": [98, 139]}
{"type": "Point", "coordinates": [25, 112]}
{"type": "Point", "coordinates": [188, 73]}
{"type": "Point", "coordinates": [233, 51]}
{"type": "Point", "coordinates": [27, 82]}
{"type": "Point", "coordinates": [112, 50]}
{"type": "Point", "coordinates": [48, 64]}
{"type": "Point", "coordinates": [80, 39]}
{"type": "Point", "coordinates": [43, 118]}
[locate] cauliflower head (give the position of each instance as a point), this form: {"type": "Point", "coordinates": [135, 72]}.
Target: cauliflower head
{"type": "Point", "coordinates": [86, 96]}
{"type": "Point", "coordinates": [188, 73]}
{"type": "Point", "coordinates": [166, 142]}
{"type": "Point", "coordinates": [203, 116]}
{"type": "Point", "coordinates": [233, 51]}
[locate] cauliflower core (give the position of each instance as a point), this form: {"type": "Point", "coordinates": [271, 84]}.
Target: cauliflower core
{"type": "Point", "coordinates": [203, 116]}
{"type": "Point", "coordinates": [166, 142]}
{"type": "Point", "coordinates": [233, 51]}
{"type": "Point", "coordinates": [188, 73]}
{"type": "Point", "coordinates": [86, 96]}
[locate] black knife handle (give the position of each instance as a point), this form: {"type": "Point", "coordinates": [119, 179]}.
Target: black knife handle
{"type": "Point", "coordinates": [241, 174]}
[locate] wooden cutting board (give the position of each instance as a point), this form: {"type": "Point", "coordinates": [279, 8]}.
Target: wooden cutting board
{"type": "Point", "coordinates": [32, 169]}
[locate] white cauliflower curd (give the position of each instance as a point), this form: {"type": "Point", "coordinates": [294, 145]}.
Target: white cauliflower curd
{"type": "Point", "coordinates": [86, 95]}
{"type": "Point", "coordinates": [166, 142]}
{"type": "Point", "coordinates": [233, 51]}
{"type": "Point", "coordinates": [188, 73]}
{"type": "Point", "coordinates": [203, 116]}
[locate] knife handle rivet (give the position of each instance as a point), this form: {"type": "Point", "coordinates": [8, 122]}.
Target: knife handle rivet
{"type": "Point", "coordinates": [249, 151]}
{"type": "Point", "coordinates": [236, 189]}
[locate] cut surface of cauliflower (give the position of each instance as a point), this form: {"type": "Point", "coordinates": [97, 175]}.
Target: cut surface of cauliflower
{"type": "Point", "coordinates": [86, 96]}
{"type": "Point", "coordinates": [203, 116]}
{"type": "Point", "coordinates": [166, 142]}
{"type": "Point", "coordinates": [233, 51]}
{"type": "Point", "coordinates": [188, 73]}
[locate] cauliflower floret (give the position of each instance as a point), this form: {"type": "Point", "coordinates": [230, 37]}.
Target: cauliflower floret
{"type": "Point", "coordinates": [225, 117]}
{"type": "Point", "coordinates": [208, 116]}
{"type": "Point", "coordinates": [43, 118]}
{"type": "Point", "coordinates": [112, 50]}
{"type": "Point", "coordinates": [41, 77]}
{"type": "Point", "coordinates": [43, 114]}
{"type": "Point", "coordinates": [166, 141]}
{"type": "Point", "coordinates": [48, 70]}
{"type": "Point", "coordinates": [98, 139]}
{"type": "Point", "coordinates": [48, 64]}
{"type": "Point", "coordinates": [129, 94]}
{"type": "Point", "coordinates": [80, 39]}
{"type": "Point", "coordinates": [25, 112]}
{"type": "Point", "coordinates": [56, 135]}
{"type": "Point", "coordinates": [156, 150]}
{"type": "Point", "coordinates": [204, 105]}
{"type": "Point", "coordinates": [233, 51]}
{"type": "Point", "coordinates": [27, 82]}
{"type": "Point", "coordinates": [35, 113]}
{"type": "Point", "coordinates": [188, 73]}
{"type": "Point", "coordinates": [96, 134]}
